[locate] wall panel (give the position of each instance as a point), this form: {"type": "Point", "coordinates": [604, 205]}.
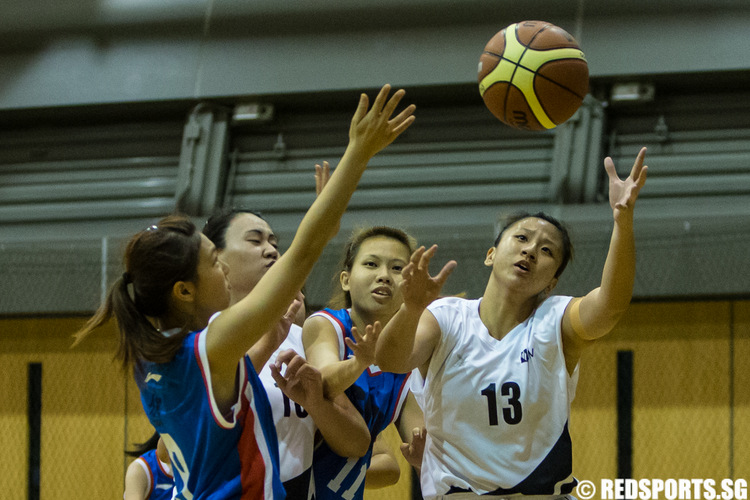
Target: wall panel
{"type": "Point", "coordinates": [682, 418]}
{"type": "Point", "coordinates": [684, 426]}
{"type": "Point", "coordinates": [82, 410]}
{"type": "Point", "coordinates": [741, 394]}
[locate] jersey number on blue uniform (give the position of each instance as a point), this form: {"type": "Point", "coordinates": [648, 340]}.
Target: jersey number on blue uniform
{"type": "Point", "coordinates": [179, 465]}
{"type": "Point", "coordinates": [335, 483]}
{"type": "Point", "coordinates": [511, 414]}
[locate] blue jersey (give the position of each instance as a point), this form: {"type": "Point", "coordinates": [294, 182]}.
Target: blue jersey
{"type": "Point", "coordinates": [378, 396]}
{"type": "Point", "coordinates": [159, 474]}
{"type": "Point", "coordinates": [213, 455]}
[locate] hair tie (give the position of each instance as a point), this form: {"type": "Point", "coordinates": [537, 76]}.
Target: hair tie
{"type": "Point", "coordinates": [127, 280]}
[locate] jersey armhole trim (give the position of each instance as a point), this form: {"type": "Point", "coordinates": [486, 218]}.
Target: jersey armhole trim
{"type": "Point", "coordinates": [403, 391]}
{"type": "Point", "coordinates": [151, 479]}
{"type": "Point", "coordinates": [338, 327]}
{"type": "Point", "coordinates": [202, 357]}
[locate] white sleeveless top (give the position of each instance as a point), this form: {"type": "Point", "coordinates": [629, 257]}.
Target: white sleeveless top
{"type": "Point", "coordinates": [496, 411]}
{"type": "Point", "coordinates": [294, 427]}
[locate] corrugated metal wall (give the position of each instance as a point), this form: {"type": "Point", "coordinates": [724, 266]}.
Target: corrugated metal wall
{"type": "Point", "coordinates": [71, 194]}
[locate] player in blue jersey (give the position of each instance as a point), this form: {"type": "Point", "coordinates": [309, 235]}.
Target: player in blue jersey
{"type": "Point", "coordinates": [498, 374]}
{"type": "Point", "coordinates": [247, 243]}
{"type": "Point", "coordinates": [199, 390]}
{"type": "Point", "coordinates": [340, 342]}
{"type": "Point", "coordinates": [149, 476]}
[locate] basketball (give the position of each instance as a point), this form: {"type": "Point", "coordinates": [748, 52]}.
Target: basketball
{"type": "Point", "coordinates": [533, 75]}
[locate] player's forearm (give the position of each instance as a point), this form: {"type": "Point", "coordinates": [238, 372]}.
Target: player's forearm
{"type": "Point", "coordinates": [343, 428]}
{"type": "Point", "coordinates": [262, 350]}
{"type": "Point", "coordinates": [314, 232]}
{"type": "Point", "coordinates": [603, 307]}
{"type": "Point", "coordinates": [326, 211]}
{"type": "Point", "coordinates": [338, 377]}
{"type": "Point", "coordinates": [395, 345]}
{"type": "Point", "coordinates": [618, 276]}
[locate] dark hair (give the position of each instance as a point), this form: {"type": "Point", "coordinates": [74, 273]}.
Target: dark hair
{"type": "Point", "coordinates": [216, 226]}
{"type": "Point", "coordinates": [340, 298]}
{"type": "Point", "coordinates": [567, 248]}
{"type": "Point", "coordinates": [155, 259]}
{"type": "Point", "coordinates": [141, 448]}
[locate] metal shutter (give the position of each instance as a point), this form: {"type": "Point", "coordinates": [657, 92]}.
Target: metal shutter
{"type": "Point", "coordinates": [693, 217]}
{"type": "Point", "coordinates": [87, 173]}
{"type": "Point", "coordinates": [444, 180]}
{"type": "Point", "coordinates": [64, 190]}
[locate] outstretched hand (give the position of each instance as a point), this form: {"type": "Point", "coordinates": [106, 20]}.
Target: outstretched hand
{"type": "Point", "coordinates": [322, 174]}
{"type": "Point", "coordinates": [301, 381]}
{"type": "Point", "coordinates": [414, 451]}
{"type": "Point", "coordinates": [418, 288]}
{"type": "Point", "coordinates": [373, 130]}
{"type": "Point", "coordinates": [623, 193]}
{"type": "Point", "coordinates": [363, 346]}
{"type": "Point", "coordinates": [280, 330]}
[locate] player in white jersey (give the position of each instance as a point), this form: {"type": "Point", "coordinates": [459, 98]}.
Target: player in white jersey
{"type": "Point", "coordinates": [498, 373]}
{"type": "Point", "coordinates": [294, 426]}
{"type": "Point", "coordinates": [249, 246]}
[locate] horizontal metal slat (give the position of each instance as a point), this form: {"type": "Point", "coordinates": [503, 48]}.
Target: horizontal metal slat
{"type": "Point", "coordinates": [76, 176]}
{"type": "Point", "coordinates": [114, 140]}
{"type": "Point", "coordinates": [105, 209]}
{"type": "Point", "coordinates": [82, 191]}
{"type": "Point", "coordinates": [682, 164]}
{"type": "Point", "coordinates": [418, 178]}
{"type": "Point", "coordinates": [393, 197]}
{"type": "Point", "coordinates": [265, 162]}
{"type": "Point", "coordinates": [691, 140]}
{"type": "Point", "coordinates": [526, 145]}
{"type": "Point", "coordinates": [698, 185]}
{"type": "Point", "coordinates": [104, 164]}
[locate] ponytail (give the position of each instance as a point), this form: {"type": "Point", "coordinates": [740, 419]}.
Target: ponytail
{"type": "Point", "coordinates": [139, 339]}
{"type": "Point", "coordinates": [146, 446]}
{"type": "Point", "coordinates": [155, 259]}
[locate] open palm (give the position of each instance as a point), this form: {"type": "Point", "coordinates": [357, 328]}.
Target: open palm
{"type": "Point", "coordinates": [624, 192]}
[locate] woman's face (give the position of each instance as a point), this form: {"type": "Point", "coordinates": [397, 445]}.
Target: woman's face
{"type": "Point", "coordinates": [528, 255]}
{"type": "Point", "coordinates": [251, 249]}
{"type": "Point", "coordinates": [373, 281]}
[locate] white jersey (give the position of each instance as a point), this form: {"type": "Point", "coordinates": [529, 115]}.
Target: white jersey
{"type": "Point", "coordinates": [496, 411]}
{"type": "Point", "coordinates": [294, 427]}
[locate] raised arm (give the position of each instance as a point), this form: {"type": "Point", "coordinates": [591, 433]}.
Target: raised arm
{"type": "Point", "coordinates": [264, 348]}
{"type": "Point", "coordinates": [240, 326]}
{"type": "Point", "coordinates": [410, 336]}
{"type": "Point", "coordinates": [597, 313]}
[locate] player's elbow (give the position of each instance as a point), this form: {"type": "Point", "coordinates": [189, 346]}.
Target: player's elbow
{"type": "Point", "coordinates": [602, 325]}
{"type": "Point", "coordinates": [388, 362]}
{"type": "Point", "coordinates": [388, 365]}
{"type": "Point", "coordinates": [382, 473]}
{"type": "Point", "coordinates": [354, 446]}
